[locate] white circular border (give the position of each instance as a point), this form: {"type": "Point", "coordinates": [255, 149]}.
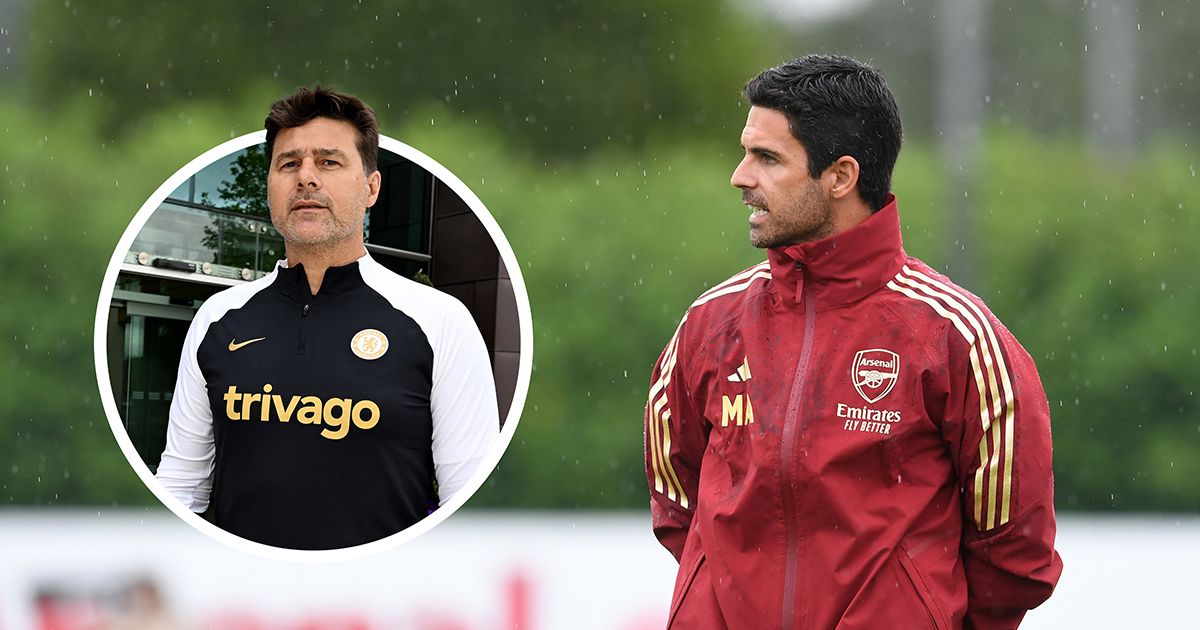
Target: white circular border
{"type": "Point", "coordinates": [524, 366]}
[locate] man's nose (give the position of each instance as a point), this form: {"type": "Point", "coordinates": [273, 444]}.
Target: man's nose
{"type": "Point", "coordinates": [741, 176]}
{"type": "Point", "coordinates": [307, 175]}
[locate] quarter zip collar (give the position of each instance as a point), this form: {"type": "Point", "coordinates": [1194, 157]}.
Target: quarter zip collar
{"type": "Point", "coordinates": [845, 267]}
{"type": "Point", "coordinates": [293, 281]}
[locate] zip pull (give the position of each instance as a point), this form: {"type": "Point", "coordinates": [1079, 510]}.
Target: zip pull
{"type": "Point", "coordinates": [303, 325]}
{"type": "Point", "coordinates": [800, 282]}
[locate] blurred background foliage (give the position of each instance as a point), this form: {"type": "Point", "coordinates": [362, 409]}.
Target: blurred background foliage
{"type": "Point", "coordinates": [602, 137]}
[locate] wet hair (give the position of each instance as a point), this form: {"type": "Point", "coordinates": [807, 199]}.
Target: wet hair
{"type": "Point", "coordinates": [836, 106]}
{"type": "Point", "coordinates": [303, 105]}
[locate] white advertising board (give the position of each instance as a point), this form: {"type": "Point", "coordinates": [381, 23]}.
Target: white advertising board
{"type": "Point", "coordinates": [67, 570]}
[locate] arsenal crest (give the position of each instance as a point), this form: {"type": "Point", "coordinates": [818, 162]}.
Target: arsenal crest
{"type": "Point", "coordinates": [874, 373]}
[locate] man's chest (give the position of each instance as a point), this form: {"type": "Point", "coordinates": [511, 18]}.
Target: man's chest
{"type": "Point", "coordinates": [327, 370]}
{"type": "Point", "coordinates": [835, 389]}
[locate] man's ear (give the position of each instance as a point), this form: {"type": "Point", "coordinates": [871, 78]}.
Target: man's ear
{"type": "Point", "coordinates": [373, 181]}
{"type": "Point", "coordinates": [841, 177]}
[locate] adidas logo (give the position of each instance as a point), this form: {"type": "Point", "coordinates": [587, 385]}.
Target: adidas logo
{"type": "Point", "coordinates": [742, 374]}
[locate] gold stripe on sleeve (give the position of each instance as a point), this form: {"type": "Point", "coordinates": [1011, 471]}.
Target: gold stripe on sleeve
{"type": "Point", "coordinates": [1006, 403]}
{"type": "Point", "coordinates": [665, 477]}
{"type": "Point", "coordinates": [980, 385]}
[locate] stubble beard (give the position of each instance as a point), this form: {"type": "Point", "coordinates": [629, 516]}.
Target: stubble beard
{"type": "Point", "coordinates": [330, 234]}
{"type": "Point", "coordinates": [809, 218]}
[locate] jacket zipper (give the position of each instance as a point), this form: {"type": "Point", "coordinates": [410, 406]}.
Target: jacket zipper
{"type": "Point", "coordinates": [787, 469]}
{"type": "Point", "coordinates": [303, 325]}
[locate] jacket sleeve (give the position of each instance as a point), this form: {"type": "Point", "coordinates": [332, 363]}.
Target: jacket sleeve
{"type": "Point", "coordinates": [186, 467]}
{"type": "Point", "coordinates": [675, 438]}
{"type": "Point", "coordinates": [998, 427]}
{"type": "Point", "coordinates": [466, 420]}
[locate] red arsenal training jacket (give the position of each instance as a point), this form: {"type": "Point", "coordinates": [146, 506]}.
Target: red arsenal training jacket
{"type": "Point", "coordinates": [840, 437]}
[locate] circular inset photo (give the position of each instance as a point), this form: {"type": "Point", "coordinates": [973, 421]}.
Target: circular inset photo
{"type": "Point", "coordinates": [313, 342]}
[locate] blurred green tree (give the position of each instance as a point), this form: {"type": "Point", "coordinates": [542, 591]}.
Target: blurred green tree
{"type": "Point", "coordinates": [568, 76]}
{"type": "Point", "coordinates": [245, 190]}
{"type": "Point", "coordinates": [234, 241]}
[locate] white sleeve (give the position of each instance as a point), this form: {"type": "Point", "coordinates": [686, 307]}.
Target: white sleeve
{"type": "Point", "coordinates": [466, 422]}
{"type": "Point", "coordinates": [186, 468]}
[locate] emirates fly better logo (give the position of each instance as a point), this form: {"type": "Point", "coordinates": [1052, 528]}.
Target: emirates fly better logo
{"type": "Point", "coordinates": [874, 373]}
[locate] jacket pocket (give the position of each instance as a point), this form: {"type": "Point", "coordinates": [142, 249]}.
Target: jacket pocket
{"type": "Point", "coordinates": [681, 590]}
{"type": "Point", "coordinates": [918, 582]}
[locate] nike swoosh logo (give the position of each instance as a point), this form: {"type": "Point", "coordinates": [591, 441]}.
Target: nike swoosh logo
{"type": "Point", "coordinates": [234, 345]}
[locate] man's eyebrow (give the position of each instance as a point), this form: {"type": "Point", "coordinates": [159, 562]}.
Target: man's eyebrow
{"type": "Point", "coordinates": [763, 152]}
{"type": "Point", "coordinates": [318, 152]}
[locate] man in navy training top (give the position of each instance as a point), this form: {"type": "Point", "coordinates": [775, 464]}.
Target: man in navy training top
{"type": "Point", "coordinates": [332, 402]}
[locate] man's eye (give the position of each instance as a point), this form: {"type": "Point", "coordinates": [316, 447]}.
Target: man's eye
{"type": "Point", "coordinates": [330, 163]}
{"type": "Point", "coordinates": [289, 164]}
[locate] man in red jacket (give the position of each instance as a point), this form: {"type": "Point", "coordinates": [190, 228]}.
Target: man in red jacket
{"type": "Point", "coordinates": [841, 437]}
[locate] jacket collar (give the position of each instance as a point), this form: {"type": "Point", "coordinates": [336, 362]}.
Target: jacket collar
{"type": "Point", "coordinates": [845, 267]}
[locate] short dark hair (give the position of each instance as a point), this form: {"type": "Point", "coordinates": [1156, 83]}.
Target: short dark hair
{"type": "Point", "coordinates": [836, 106]}
{"type": "Point", "coordinates": [303, 105]}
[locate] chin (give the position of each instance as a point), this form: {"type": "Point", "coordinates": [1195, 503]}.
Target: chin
{"type": "Point", "coordinates": [304, 236]}
{"type": "Point", "coordinates": [760, 240]}
{"type": "Point", "coordinates": [316, 240]}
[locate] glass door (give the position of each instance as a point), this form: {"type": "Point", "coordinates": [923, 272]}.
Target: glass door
{"type": "Point", "coordinates": [153, 337]}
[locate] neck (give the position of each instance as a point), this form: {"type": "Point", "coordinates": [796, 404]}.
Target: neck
{"type": "Point", "coordinates": [847, 214]}
{"type": "Point", "coordinates": [317, 259]}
